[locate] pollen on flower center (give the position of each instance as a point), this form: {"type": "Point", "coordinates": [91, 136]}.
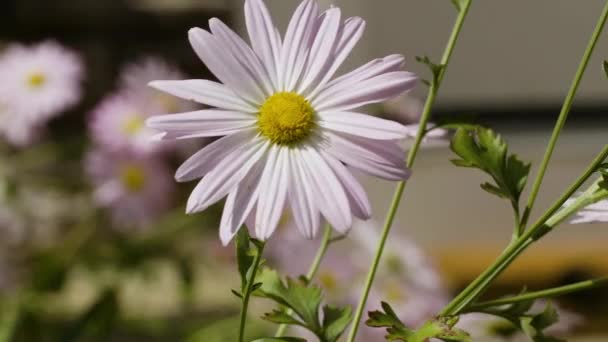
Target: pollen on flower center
{"type": "Point", "coordinates": [36, 80]}
{"type": "Point", "coordinates": [132, 124]}
{"type": "Point", "coordinates": [286, 118]}
{"type": "Point", "coordinates": [133, 178]}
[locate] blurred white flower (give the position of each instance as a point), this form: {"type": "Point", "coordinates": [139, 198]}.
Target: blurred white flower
{"type": "Point", "coordinates": [288, 129]}
{"type": "Point", "coordinates": [136, 189]}
{"type": "Point", "coordinates": [18, 129]}
{"type": "Point", "coordinates": [593, 213]}
{"type": "Point", "coordinates": [483, 327]}
{"type": "Point", "coordinates": [40, 81]}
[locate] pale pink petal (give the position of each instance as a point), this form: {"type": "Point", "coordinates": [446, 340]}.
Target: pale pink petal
{"type": "Point", "coordinates": [330, 194]}
{"type": "Point", "coordinates": [297, 43]}
{"type": "Point", "coordinates": [323, 48]}
{"type": "Point", "coordinates": [206, 92]}
{"type": "Point", "coordinates": [243, 54]}
{"type": "Point", "coordinates": [202, 123]}
{"type": "Point", "coordinates": [384, 159]}
{"type": "Point", "coordinates": [351, 32]}
{"type": "Point", "coordinates": [373, 68]}
{"type": "Point", "coordinates": [273, 192]}
{"type": "Point", "coordinates": [373, 90]}
{"type": "Point", "coordinates": [265, 39]}
{"type": "Point", "coordinates": [224, 66]}
{"type": "Point", "coordinates": [240, 203]}
{"type": "Point", "coordinates": [357, 198]}
{"type": "Point", "coordinates": [362, 125]}
{"type": "Point", "coordinates": [302, 199]}
{"type": "Point", "coordinates": [226, 175]}
{"type": "Point", "coordinates": [211, 155]}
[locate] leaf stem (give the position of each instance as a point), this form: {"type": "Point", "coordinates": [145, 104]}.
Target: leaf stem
{"type": "Point", "coordinates": [312, 271]}
{"type": "Point", "coordinates": [430, 101]}
{"type": "Point", "coordinates": [561, 121]}
{"type": "Point", "coordinates": [547, 293]}
{"type": "Point", "coordinates": [539, 229]}
{"type": "Point", "coordinates": [249, 289]}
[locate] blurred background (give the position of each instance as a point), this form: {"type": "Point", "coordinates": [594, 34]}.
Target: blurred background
{"type": "Point", "coordinates": [82, 269]}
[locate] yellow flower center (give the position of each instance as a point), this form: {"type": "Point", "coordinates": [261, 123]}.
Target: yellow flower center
{"type": "Point", "coordinates": [133, 178]}
{"type": "Point", "coordinates": [286, 118]}
{"type": "Point", "coordinates": [328, 281]}
{"type": "Point", "coordinates": [132, 124]}
{"type": "Point", "coordinates": [36, 80]}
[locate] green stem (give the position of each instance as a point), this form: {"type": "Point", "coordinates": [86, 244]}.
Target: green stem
{"type": "Point", "coordinates": [312, 271]}
{"type": "Point", "coordinates": [10, 319]}
{"type": "Point", "coordinates": [561, 121]}
{"type": "Point", "coordinates": [430, 101]}
{"type": "Point", "coordinates": [541, 227]}
{"type": "Point", "coordinates": [250, 282]}
{"type": "Point", "coordinates": [548, 293]}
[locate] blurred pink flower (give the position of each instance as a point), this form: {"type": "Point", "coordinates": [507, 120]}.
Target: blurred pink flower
{"type": "Point", "coordinates": [16, 127]}
{"type": "Point", "coordinates": [137, 189]}
{"type": "Point", "coordinates": [40, 81]}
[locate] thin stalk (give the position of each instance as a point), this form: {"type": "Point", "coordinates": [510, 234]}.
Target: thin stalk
{"type": "Point", "coordinates": [430, 101]}
{"type": "Point", "coordinates": [561, 121]}
{"type": "Point", "coordinates": [548, 293]}
{"type": "Point", "coordinates": [312, 271]}
{"type": "Point", "coordinates": [476, 288]}
{"type": "Point", "coordinates": [247, 295]}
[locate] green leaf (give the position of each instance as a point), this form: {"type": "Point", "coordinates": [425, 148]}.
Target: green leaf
{"type": "Point", "coordinates": [483, 149]}
{"type": "Point", "coordinates": [279, 339]}
{"type": "Point", "coordinates": [243, 256]}
{"type": "Point", "coordinates": [335, 322]}
{"type": "Point", "coordinates": [281, 317]}
{"type": "Point", "coordinates": [304, 300]}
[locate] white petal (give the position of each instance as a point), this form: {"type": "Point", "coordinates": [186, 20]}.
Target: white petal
{"type": "Point", "coordinates": [363, 125]}
{"type": "Point", "coordinates": [350, 35]}
{"type": "Point", "coordinates": [373, 68]}
{"type": "Point", "coordinates": [297, 43]}
{"type": "Point", "coordinates": [225, 176]}
{"type": "Point", "coordinates": [357, 197]}
{"type": "Point", "coordinates": [302, 199]}
{"type": "Point", "coordinates": [211, 155]}
{"type": "Point", "coordinates": [323, 48]}
{"type": "Point", "coordinates": [202, 123]}
{"type": "Point", "coordinates": [239, 204]}
{"type": "Point", "coordinates": [265, 39]}
{"type": "Point", "coordinates": [384, 159]}
{"type": "Point", "coordinates": [373, 90]}
{"type": "Point", "coordinates": [206, 92]}
{"type": "Point", "coordinates": [333, 202]}
{"type": "Point", "coordinates": [224, 66]}
{"type": "Point", "coordinates": [243, 53]}
{"type": "Point", "coordinates": [272, 193]}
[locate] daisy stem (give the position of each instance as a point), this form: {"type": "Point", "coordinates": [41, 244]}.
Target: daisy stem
{"type": "Point", "coordinates": [250, 283]}
{"type": "Point", "coordinates": [543, 226]}
{"type": "Point", "coordinates": [561, 121]}
{"type": "Point", "coordinates": [547, 293]}
{"type": "Point", "coordinates": [312, 271]}
{"type": "Point", "coordinates": [428, 106]}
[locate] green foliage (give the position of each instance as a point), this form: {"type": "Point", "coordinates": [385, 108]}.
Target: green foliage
{"type": "Point", "coordinates": [436, 69]}
{"type": "Point", "coordinates": [484, 149]}
{"type": "Point", "coordinates": [244, 256]}
{"type": "Point", "coordinates": [441, 328]}
{"type": "Point", "coordinates": [531, 323]}
{"type": "Point", "coordinates": [305, 301]}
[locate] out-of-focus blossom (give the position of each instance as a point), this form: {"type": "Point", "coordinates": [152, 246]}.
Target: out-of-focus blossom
{"type": "Point", "coordinates": [593, 213]}
{"type": "Point", "coordinates": [136, 189]}
{"type": "Point", "coordinates": [40, 81]}
{"type": "Point", "coordinates": [288, 128]}
{"type": "Point", "coordinates": [483, 327]}
{"type": "Point", "coordinates": [18, 129]}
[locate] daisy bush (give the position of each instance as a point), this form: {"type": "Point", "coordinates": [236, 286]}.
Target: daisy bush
{"type": "Point", "coordinates": [276, 240]}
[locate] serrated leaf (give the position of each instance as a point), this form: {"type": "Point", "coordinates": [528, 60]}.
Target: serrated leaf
{"type": "Point", "coordinates": [335, 321]}
{"type": "Point", "coordinates": [243, 256]}
{"type": "Point", "coordinates": [482, 148]}
{"type": "Point", "coordinates": [304, 300]}
{"type": "Point", "coordinates": [281, 317]}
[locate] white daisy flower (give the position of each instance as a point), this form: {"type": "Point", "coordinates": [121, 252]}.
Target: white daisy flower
{"type": "Point", "coordinates": [288, 129]}
{"type": "Point", "coordinates": [40, 81]}
{"type": "Point", "coordinates": [593, 213]}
